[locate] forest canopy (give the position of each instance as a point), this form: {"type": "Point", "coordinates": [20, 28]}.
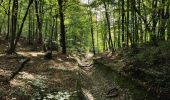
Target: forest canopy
{"type": "Point", "coordinates": [85, 25]}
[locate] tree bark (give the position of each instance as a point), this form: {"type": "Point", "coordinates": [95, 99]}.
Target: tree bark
{"type": "Point", "coordinates": [123, 21]}
{"type": "Point", "coordinates": [62, 27]}
{"type": "Point", "coordinates": [108, 26]}
{"type": "Point", "coordinates": [29, 29]}
{"type": "Point", "coordinates": [22, 24]}
{"type": "Point", "coordinates": [14, 24]}
{"type": "Point", "coordinates": [7, 36]}
{"type": "Point", "coordinates": [92, 32]}
{"type": "Point", "coordinates": [39, 21]}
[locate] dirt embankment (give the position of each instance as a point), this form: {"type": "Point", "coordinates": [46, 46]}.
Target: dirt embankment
{"type": "Point", "coordinates": [147, 66]}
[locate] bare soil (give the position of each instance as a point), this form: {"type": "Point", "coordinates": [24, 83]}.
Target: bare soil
{"type": "Point", "coordinates": [40, 78]}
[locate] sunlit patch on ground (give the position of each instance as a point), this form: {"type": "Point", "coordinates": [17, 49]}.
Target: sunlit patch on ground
{"type": "Point", "coordinates": [2, 55]}
{"type": "Point", "coordinates": [17, 83]}
{"type": "Point", "coordinates": [24, 75]}
{"type": "Point", "coordinates": [61, 95]}
{"type": "Point", "coordinates": [33, 54]}
{"type": "Point", "coordinates": [5, 72]}
{"type": "Point", "coordinates": [89, 55]}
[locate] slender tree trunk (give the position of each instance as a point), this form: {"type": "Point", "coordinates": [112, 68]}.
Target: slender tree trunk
{"type": "Point", "coordinates": [123, 21]}
{"type": "Point", "coordinates": [9, 7]}
{"type": "Point", "coordinates": [119, 44]}
{"type": "Point", "coordinates": [165, 14]}
{"type": "Point", "coordinates": [136, 26]}
{"type": "Point", "coordinates": [1, 26]}
{"type": "Point", "coordinates": [168, 29]}
{"type": "Point", "coordinates": [41, 12]}
{"type": "Point", "coordinates": [92, 32]}
{"type": "Point", "coordinates": [56, 32]}
{"type": "Point", "coordinates": [22, 24]}
{"type": "Point", "coordinates": [56, 28]}
{"type": "Point", "coordinates": [154, 16]}
{"type": "Point", "coordinates": [33, 31]}
{"type": "Point", "coordinates": [108, 26]}
{"type": "Point", "coordinates": [97, 33]}
{"type": "Point", "coordinates": [19, 15]}
{"type": "Point", "coordinates": [62, 27]}
{"type": "Point", "coordinates": [127, 24]}
{"type": "Point", "coordinates": [29, 29]}
{"type": "Point", "coordinates": [145, 17]}
{"type": "Point", "coordinates": [14, 24]}
{"type": "Point", "coordinates": [140, 25]}
{"type": "Point", "coordinates": [46, 28]}
{"type": "Point", "coordinates": [39, 21]}
{"type": "Point", "coordinates": [52, 29]}
{"type": "Point", "coordinates": [104, 35]}
{"type": "Point", "coordinates": [133, 22]}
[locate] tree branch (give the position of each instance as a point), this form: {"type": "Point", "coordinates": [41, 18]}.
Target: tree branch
{"type": "Point", "coordinates": [4, 8]}
{"type": "Point", "coordinates": [143, 18]}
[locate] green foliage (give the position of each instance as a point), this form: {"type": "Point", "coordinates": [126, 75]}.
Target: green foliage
{"type": "Point", "coordinates": [137, 28]}
{"type": "Point", "coordinates": [150, 64]}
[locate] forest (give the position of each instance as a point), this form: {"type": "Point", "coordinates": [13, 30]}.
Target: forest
{"type": "Point", "coordinates": [84, 49]}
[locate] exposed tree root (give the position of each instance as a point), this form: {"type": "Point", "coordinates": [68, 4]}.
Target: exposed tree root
{"type": "Point", "coordinates": [112, 93]}
{"type": "Point", "coordinates": [22, 66]}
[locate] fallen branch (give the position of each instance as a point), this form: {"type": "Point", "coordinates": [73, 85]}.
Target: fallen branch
{"type": "Point", "coordinates": [22, 66]}
{"type": "Point", "coordinates": [112, 93]}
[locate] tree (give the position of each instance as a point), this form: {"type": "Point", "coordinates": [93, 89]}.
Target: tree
{"type": "Point", "coordinates": [62, 27]}
{"type": "Point", "coordinates": [14, 23]}
{"type": "Point", "coordinates": [9, 7]}
{"type": "Point", "coordinates": [39, 15]}
{"type": "Point", "coordinates": [15, 38]}
{"type": "Point", "coordinates": [92, 33]}
{"type": "Point", "coordinates": [110, 43]}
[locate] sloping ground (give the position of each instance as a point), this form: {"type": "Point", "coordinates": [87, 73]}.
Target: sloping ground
{"type": "Point", "coordinates": [39, 79]}
{"type": "Point", "coordinates": [101, 83]}
{"type": "Point", "coordinates": [147, 65]}
{"type": "Point", "coordinates": [97, 82]}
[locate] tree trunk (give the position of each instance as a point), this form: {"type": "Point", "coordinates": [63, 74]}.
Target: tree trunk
{"type": "Point", "coordinates": [108, 26]}
{"type": "Point", "coordinates": [29, 29]}
{"type": "Point", "coordinates": [97, 34]}
{"type": "Point", "coordinates": [9, 7]}
{"type": "Point", "coordinates": [163, 20]}
{"type": "Point", "coordinates": [92, 32]}
{"type": "Point", "coordinates": [119, 44]}
{"type": "Point", "coordinates": [123, 21]}
{"type": "Point", "coordinates": [14, 24]}
{"type": "Point", "coordinates": [62, 27]}
{"type": "Point", "coordinates": [56, 32]}
{"type": "Point", "coordinates": [39, 21]}
{"type": "Point", "coordinates": [127, 24]}
{"type": "Point", "coordinates": [22, 24]}
{"type": "Point", "coordinates": [56, 28]}
{"type": "Point", "coordinates": [1, 26]}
